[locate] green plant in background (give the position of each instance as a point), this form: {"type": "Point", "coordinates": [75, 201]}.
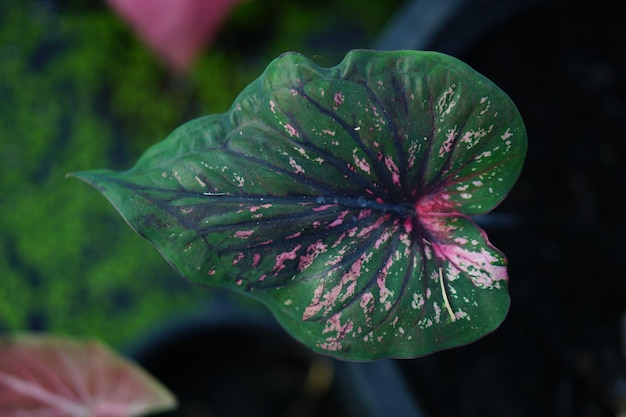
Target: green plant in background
{"type": "Point", "coordinates": [79, 91]}
{"type": "Point", "coordinates": [64, 265]}
{"type": "Point", "coordinates": [340, 198]}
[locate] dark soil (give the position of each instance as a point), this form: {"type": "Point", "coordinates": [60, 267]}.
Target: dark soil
{"type": "Point", "coordinates": [561, 350]}
{"type": "Point", "coordinates": [242, 370]}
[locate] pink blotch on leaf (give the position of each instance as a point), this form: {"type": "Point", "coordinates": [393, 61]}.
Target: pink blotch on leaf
{"type": "Point", "coordinates": [333, 343]}
{"type": "Point", "coordinates": [323, 207]}
{"type": "Point", "coordinates": [256, 208]}
{"type": "Point", "coordinates": [379, 222]}
{"type": "Point", "coordinates": [297, 168]}
{"type": "Point", "coordinates": [447, 144]}
{"type": "Point", "coordinates": [361, 163]}
{"type": "Point", "coordinates": [479, 267]}
{"type": "Point", "coordinates": [393, 168]}
{"type": "Point", "coordinates": [285, 256]}
{"type": "Point", "coordinates": [381, 281]}
{"type": "Point", "coordinates": [312, 252]}
{"type": "Point", "coordinates": [339, 220]}
{"type": "Point", "coordinates": [315, 305]}
{"type": "Point", "coordinates": [243, 234]}
{"type": "Point", "coordinates": [326, 299]}
{"type": "Point", "coordinates": [367, 303]}
{"type": "Point", "coordinates": [338, 100]}
{"type": "Point", "coordinates": [291, 130]}
{"type": "Point", "coordinates": [238, 258]}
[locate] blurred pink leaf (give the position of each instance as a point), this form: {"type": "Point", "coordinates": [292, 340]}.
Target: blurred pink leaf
{"type": "Point", "coordinates": [175, 29]}
{"type": "Point", "coordinates": [57, 377]}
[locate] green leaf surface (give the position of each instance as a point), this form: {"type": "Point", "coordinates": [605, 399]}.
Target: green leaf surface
{"type": "Point", "coordinates": [340, 197]}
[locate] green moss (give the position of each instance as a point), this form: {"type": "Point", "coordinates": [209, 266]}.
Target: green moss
{"type": "Point", "coordinates": [80, 92]}
{"type": "Point", "coordinates": [69, 264]}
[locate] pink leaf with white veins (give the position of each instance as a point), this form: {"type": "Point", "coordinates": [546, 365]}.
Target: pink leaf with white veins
{"type": "Point", "coordinates": [176, 30]}
{"type": "Point", "coordinates": [45, 376]}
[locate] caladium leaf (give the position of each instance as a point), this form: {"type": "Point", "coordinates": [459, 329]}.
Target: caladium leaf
{"type": "Point", "coordinates": [176, 30]}
{"type": "Point", "coordinates": [340, 197]}
{"type": "Point", "coordinates": [59, 377]}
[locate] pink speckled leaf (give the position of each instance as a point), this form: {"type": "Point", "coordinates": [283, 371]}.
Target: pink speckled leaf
{"type": "Point", "coordinates": [176, 30]}
{"type": "Point", "coordinates": [340, 198]}
{"type": "Point", "coordinates": [58, 377]}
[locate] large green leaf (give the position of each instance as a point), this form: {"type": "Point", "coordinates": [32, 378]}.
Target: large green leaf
{"type": "Point", "coordinates": [340, 197]}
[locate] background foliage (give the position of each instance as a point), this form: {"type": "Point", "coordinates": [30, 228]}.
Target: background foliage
{"type": "Point", "coordinates": [79, 91]}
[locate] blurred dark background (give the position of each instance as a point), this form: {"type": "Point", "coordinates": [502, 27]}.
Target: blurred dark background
{"type": "Point", "coordinates": [78, 90]}
{"type": "Point", "coordinates": [561, 351]}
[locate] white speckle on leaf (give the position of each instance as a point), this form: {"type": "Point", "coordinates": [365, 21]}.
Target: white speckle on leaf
{"type": "Point", "coordinates": [425, 323]}
{"type": "Point", "coordinates": [446, 103]}
{"type": "Point", "coordinates": [447, 144]}
{"type": "Point", "coordinates": [485, 154]}
{"type": "Point", "coordinates": [239, 179]}
{"type": "Point", "coordinates": [483, 100]}
{"type": "Point", "coordinates": [437, 312]}
{"type": "Point", "coordinates": [418, 301]}
{"type": "Point", "coordinates": [302, 152]}
{"type": "Point", "coordinates": [460, 314]}
{"type": "Point", "coordinates": [202, 183]}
